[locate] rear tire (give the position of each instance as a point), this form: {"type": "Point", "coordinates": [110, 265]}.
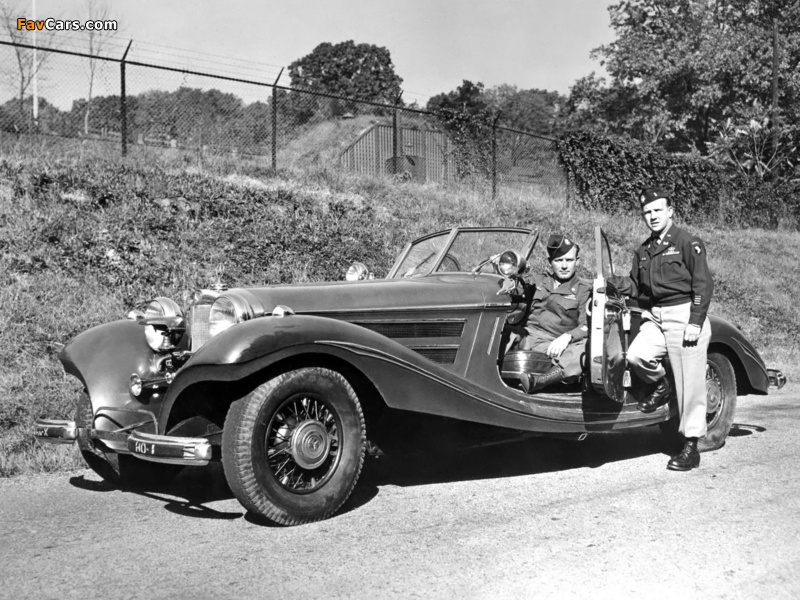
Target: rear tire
{"type": "Point", "coordinates": [720, 407]}
{"type": "Point", "coordinates": [293, 448]}
{"type": "Point", "coordinates": [720, 401]}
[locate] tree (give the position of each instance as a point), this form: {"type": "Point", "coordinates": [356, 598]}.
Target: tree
{"type": "Point", "coordinates": [362, 71]}
{"type": "Point", "coordinates": [531, 110]}
{"type": "Point", "coordinates": [96, 40]}
{"type": "Point", "coordinates": [679, 68]}
{"type": "Point", "coordinates": [27, 64]}
{"type": "Point", "coordinates": [468, 117]}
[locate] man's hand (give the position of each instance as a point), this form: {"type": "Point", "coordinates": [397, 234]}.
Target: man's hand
{"type": "Point", "coordinates": [558, 345]}
{"type": "Point", "coordinates": [691, 334]}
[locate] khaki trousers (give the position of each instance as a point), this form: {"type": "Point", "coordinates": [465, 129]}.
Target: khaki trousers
{"type": "Point", "coordinates": [660, 335]}
{"type": "Point", "coordinates": [570, 359]}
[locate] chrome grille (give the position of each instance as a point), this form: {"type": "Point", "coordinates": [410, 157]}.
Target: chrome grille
{"type": "Point", "coordinates": [198, 322]}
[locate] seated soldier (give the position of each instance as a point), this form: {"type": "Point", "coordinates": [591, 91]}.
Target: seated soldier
{"type": "Point", "coordinates": [557, 323]}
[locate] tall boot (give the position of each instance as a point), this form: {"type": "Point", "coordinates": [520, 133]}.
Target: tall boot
{"type": "Point", "coordinates": [659, 396]}
{"type": "Point", "coordinates": [687, 459]}
{"type": "Point", "coordinates": [533, 383]}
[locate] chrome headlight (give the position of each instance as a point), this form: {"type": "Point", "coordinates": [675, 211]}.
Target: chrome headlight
{"type": "Point", "coordinates": [228, 310]}
{"type": "Point", "coordinates": [162, 307]}
{"type": "Point", "coordinates": [511, 263]}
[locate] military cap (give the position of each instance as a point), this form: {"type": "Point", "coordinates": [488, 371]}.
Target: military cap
{"type": "Point", "coordinates": [559, 245]}
{"type": "Point", "coordinates": [650, 194]}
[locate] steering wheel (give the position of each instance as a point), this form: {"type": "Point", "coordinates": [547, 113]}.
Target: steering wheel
{"type": "Point", "coordinates": [449, 263]}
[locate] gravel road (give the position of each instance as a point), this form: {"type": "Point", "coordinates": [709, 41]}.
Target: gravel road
{"type": "Point", "coordinates": [602, 518]}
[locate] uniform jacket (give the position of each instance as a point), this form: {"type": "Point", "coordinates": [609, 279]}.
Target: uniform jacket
{"type": "Point", "coordinates": [671, 272]}
{"type": "Point", "coordinates": [558, 308]}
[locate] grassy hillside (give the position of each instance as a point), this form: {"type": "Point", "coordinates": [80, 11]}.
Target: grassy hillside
{"type": "Point", "coordinates": [83, 241]}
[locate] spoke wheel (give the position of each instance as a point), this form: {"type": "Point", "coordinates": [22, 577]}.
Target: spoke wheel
{"type": "Point", "coordinates": [293, 448]}
{"type": "Point", "coordinates": [302, 444]}
{"type": "Point", "coordinates": [720, 401]}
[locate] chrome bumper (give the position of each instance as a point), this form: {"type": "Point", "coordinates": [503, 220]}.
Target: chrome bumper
{"type": "Point", "coordinates": [169, 449]}
{"type": "Point", "coordinates": [55, 431]}
{"type": "Point", "coordinates": [776, 378]}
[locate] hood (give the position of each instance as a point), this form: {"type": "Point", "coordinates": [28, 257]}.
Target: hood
{"type": "Point", "coordinates": [448, 290]}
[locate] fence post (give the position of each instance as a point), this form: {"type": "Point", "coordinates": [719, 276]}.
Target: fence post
{"type": "Point", "coordinates": [275, 121]}
{"type": "Point", "coordinates": [397, 142]}
{"type": "Point", "coordinates": [494, 159]}
{"type": "Point", "coordinates": [123, 103]}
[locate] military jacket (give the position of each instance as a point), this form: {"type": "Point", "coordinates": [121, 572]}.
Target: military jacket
{"type": "Point", "coordinates": [558, 308]}
{"type": "Point", "coordinates": [670, 272]}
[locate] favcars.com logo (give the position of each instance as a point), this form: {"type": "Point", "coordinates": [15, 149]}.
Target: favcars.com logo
{"type": "Point", "coordinates": [61, 25]}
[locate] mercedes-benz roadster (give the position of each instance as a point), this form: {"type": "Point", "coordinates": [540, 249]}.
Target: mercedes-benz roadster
{"type": "Point", "coordinates": [289, 385]}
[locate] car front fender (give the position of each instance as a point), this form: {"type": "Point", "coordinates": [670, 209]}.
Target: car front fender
{"type": "Point", "coordinates": [404, 378]}
{"type": "Point", "coordinates": [103, 359]}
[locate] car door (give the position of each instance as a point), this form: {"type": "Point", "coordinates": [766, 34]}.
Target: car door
{"type": "Point", "coordinates": [609, 317]}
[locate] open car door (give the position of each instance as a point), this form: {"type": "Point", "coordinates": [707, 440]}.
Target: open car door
{"type": "Point", "coordinates": [609, 315]}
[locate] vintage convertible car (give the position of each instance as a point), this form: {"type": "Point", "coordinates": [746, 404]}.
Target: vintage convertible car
{"type": "Point", "coordinates": [289, 385]}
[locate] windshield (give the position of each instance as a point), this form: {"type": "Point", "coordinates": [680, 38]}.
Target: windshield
{"type": "Point", "coordinates": [443, 252]}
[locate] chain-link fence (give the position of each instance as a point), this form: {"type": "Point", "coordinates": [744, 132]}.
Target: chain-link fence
{"type": "Point", "coordinates": [110, 105]}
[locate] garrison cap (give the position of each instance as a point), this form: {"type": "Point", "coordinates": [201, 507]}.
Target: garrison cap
{"type": "Point", "coordinates": [559, 245]}
{"type": "Point", "coordinates": [651, 194]}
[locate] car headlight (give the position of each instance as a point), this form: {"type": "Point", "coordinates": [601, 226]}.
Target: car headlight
{"type": "Point", "coordinates": [511, 263]}
{"type": "Point", "coordinates": [228, 310]}
{"type": "Point", "coordinates": [162, 307]}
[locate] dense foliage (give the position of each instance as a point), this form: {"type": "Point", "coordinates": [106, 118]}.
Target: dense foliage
{"type": "Point", "coordinates": [363, 71]}
{"type": "Point", "coordinates": [681, 69]}
{"type": "Point", "coordinates": [608, 172]}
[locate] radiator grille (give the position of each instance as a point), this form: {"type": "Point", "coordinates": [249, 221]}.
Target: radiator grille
{"type": "Point", "coordinates": [414, 329]}
{"type": "Point", "coordinates": [198, 318]}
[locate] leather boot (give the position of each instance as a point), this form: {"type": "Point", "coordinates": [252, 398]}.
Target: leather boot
{"type": "Point", "coordinates": [534, 383]}
{"type": "Point", "coordinates": [658, 397]}
{"type": "Point", "coordinates": [687, 459]}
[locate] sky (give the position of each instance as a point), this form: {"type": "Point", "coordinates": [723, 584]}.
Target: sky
{"type": "Point", "coordinates": [434, 44]}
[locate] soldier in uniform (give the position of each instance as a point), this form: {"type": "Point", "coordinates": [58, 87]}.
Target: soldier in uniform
{"type": "Point", "coordinates": [556, 323]}
{"type": "Point", "coordinates": [671, 278]}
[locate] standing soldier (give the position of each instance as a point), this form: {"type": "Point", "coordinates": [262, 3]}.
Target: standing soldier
{"type": "Point", "coordinates": [670, 276]}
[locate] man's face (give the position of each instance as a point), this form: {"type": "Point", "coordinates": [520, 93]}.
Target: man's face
{"type": "Point", "coordinates": [657, 215]}
{"type": "Point", "coordinates": [564, 266]}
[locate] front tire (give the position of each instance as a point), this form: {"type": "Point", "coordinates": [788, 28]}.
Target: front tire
{"type": "Point", "coordinates": [293, 448]}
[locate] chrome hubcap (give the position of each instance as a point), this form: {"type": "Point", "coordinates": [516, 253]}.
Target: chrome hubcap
{"type": "Point", "coordinates": [310, 444]}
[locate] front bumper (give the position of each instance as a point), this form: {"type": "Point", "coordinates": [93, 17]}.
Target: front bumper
{"type": "Point", "coordinates": [55, 431]}
{"type": "Point", "coordinates": [167, 449]}
{"type": "Point", "coordinates": [776, 378]}
{"type": "Point", "coordinates": [170, 449]}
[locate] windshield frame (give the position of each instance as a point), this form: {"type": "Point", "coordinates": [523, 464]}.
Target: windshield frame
{"type": "Point", "coordinates": [451, 235]}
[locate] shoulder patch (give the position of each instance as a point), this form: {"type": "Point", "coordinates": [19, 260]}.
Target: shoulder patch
{"type": "Point", "coordinates": [697, 247]}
